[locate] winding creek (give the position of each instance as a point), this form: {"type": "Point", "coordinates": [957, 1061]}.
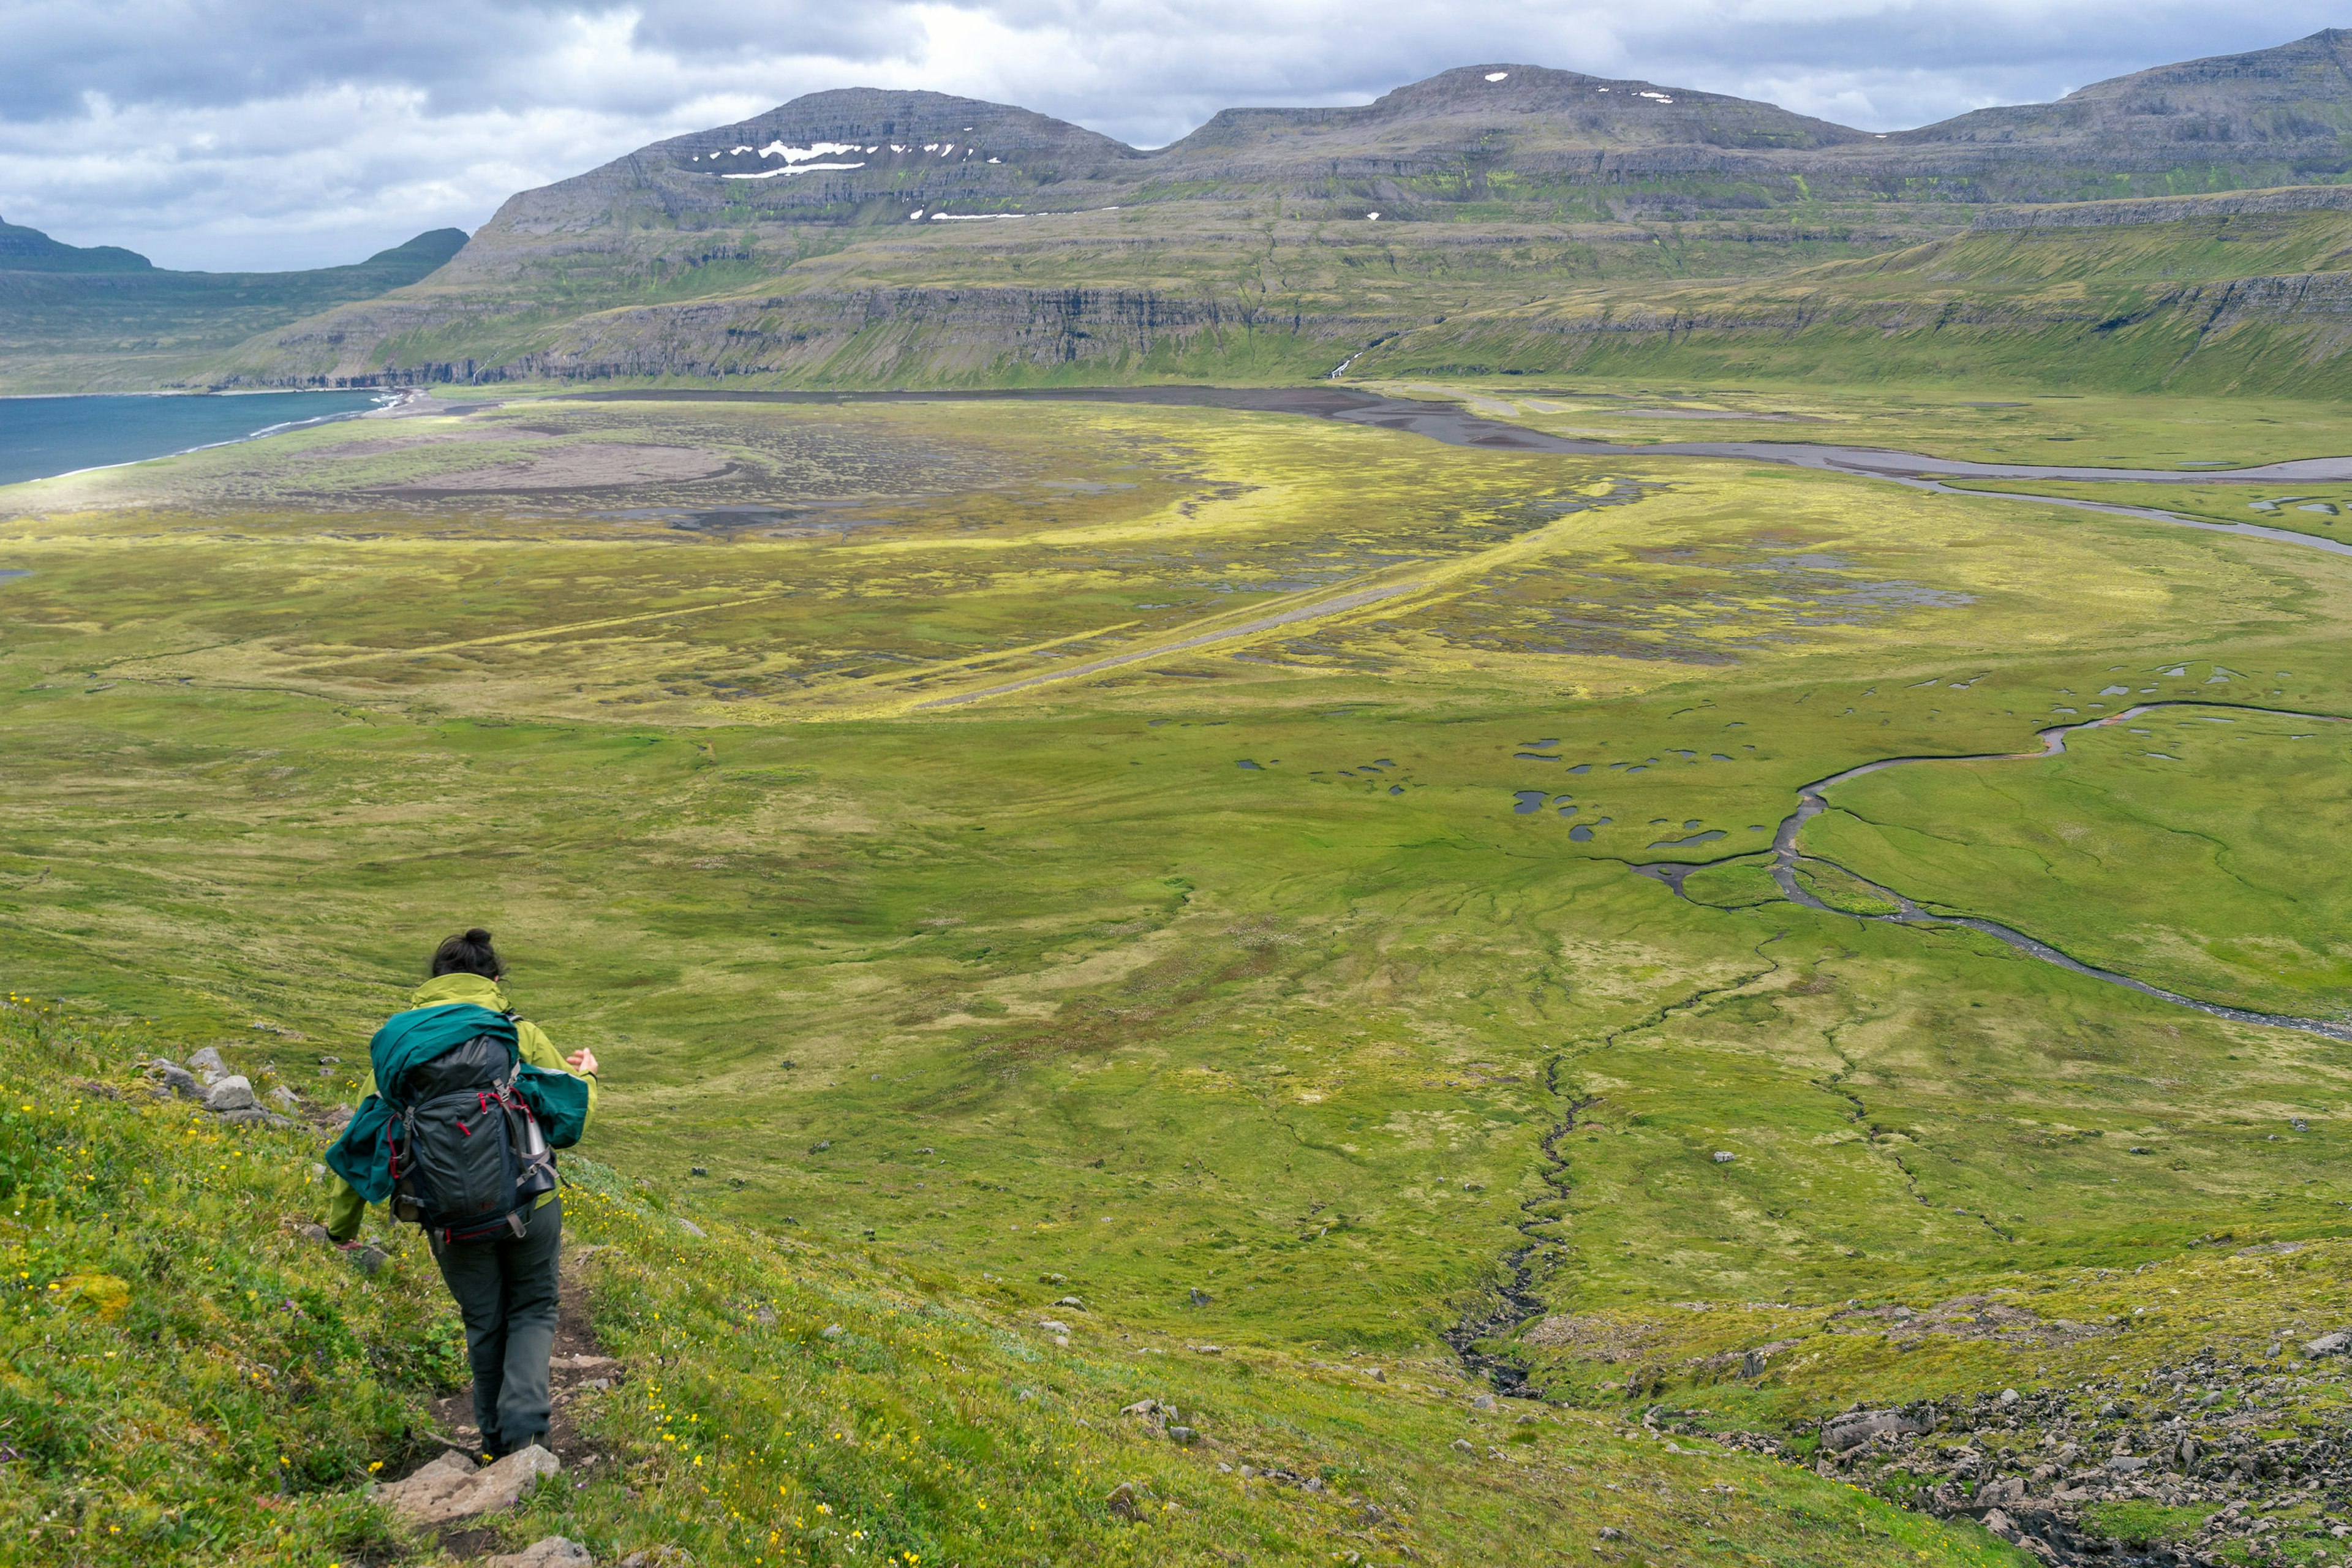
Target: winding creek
{"type": "Point", "coordinates": [1813, 800]}
{"type": "Point", "coordinates": [1456, 426]}
{"type": "Point", "coordinates": [1516, 1298]}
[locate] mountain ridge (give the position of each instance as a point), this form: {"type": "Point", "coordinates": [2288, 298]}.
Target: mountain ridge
{"type": "Point", "coordinates": [987, 241]}
{"type": "Point", "coordinates": [104, 319]}
{"type": "Point", "coordinates": [25, 249]}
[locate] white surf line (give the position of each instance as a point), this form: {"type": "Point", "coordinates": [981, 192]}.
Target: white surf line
{"type": "Point", "coordinates": [277, 429]}
{"type": "Point", "coordinates": [1247, 628]}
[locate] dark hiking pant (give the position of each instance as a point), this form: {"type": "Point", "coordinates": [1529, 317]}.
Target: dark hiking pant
{"type": "Point", "coordinates": [505, 1291]}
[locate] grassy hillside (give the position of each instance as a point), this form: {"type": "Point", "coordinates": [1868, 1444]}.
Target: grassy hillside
{"type": "Point", "coordinates": [1288, 988]}
{"type": "Point", "coordinates": [188, 1378]}
{"type": "Point", "coordinates": [2209, 302]}
{"type": "Point", "coordinates": [1210, 290]}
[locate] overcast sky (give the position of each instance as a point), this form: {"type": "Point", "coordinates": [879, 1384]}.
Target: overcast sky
{"type": "Point", "coordinates": [277, 134]}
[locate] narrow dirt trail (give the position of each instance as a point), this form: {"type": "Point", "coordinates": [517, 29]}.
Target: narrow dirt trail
{"type": "Point", "coordinates": [577, 1364]}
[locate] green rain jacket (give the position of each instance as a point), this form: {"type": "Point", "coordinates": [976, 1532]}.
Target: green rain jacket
{"type": "Point", "coordinates": [345, 1206]}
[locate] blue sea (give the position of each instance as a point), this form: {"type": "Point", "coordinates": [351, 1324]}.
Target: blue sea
{"type": "Point", "coordinates": [44, 435]}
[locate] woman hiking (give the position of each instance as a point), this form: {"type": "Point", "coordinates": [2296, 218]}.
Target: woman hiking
{"type": "Point", "coordinates": [463, 1105]}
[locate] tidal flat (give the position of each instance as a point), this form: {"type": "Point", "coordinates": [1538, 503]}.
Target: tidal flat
{"type": "Point", "coordinates": [1077, 850]}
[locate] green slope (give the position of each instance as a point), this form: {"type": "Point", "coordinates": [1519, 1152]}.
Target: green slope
{"type": "Point", "coordinates": [90, 321]}
{"type": "Point", "coordinates": [187, 1378]}
{"type": "Point", "coordinates": [2218, 296]}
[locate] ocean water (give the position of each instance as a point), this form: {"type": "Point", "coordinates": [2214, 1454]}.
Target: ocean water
{"type": "Point", "coordinates": [44, 435]}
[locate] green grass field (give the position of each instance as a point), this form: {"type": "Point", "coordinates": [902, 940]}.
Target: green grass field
{"type": "Point", "coordinates": [1184, 859]}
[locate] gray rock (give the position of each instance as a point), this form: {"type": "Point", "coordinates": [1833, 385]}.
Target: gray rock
{"type": "Point", "coordinates": [453, 1488]}
{"type": "Point", "coordinates": [1724, 1157]}
{"type": "Point", "coordinates": [1483, 1402]}
{"type": "Point", "coordinates": [554, 1552]}
{"type": "Point", "coordinates": [208, 1065]}
{"type": "Point", "coordinates": [660, 1557]}
{"type": "Point", "coordinates": [2007, 1492]}
{"type": "Point", "coordinates": [369, 1259]}
{"type": "Point", "coordinates": [1071, 1302]}
{"type": "Point", "coordinates": [832, 1331]}
{"type": "Point", "coordinates": [691, 1229]}
{"type": "Point", "coordinates": [2330, 1343]}
{"type": "Point", "coordinates": [1857, 1427]}
{"type": "Point", "coordinates": [1199, 1296]}
{"type": "Point", "coordinates": [1121, 1502]}
{"type": "Point", "coordinates": [176, 1079]}
{"type": "Point", "coordinates": [251, 1116]}
{"type": "Point", "coordinates": [1462, 1445]}
{"type": "Point", "coordinates": [1183, 1435]}
{"type": "Point", "coordinates": [1052, 1327]}
{"type": "Point", "coordinates": [2122, 1465]}
{"type": "Point", "coordinates": [232, 1093]}
{"type": "Point", "coordinates": [284, 1098]}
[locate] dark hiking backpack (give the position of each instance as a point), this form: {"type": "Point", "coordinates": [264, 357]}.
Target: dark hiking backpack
{"type": "Point", "coordinates": [468, 1159]}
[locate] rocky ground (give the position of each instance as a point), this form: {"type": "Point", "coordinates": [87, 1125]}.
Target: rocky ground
{"type": "Point", "coordinates": [2117, 1469]}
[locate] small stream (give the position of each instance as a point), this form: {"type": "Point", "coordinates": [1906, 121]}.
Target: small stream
{"type": "Point", "coordinates": [1812, 801]}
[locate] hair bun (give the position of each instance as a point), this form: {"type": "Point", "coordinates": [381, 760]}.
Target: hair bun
{"type": "Point", "coordinates": [479, 936]}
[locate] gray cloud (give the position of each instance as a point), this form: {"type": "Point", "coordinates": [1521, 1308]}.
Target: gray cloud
{"type": "Point", "coordinates": [236, 133]}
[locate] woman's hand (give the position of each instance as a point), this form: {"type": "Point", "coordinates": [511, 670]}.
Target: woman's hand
{"type": "Point", "coordinates": [582, 1061]}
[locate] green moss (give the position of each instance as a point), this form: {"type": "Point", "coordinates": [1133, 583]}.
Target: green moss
{"type": "Point", "coordinates": [2141, 1524]}
{"type": "Point", "coordinates": [1733, 885]}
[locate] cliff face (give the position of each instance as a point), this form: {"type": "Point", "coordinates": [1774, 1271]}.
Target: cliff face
{"type": "Point", "coordinates": [2176, 209]}
{"type": "Point", "coordinates": [875, 337]}
{"type": "Point", "coordinates": [2250, 293]}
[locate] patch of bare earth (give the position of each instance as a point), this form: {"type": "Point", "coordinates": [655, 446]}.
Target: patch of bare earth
{"type": "Point", "coordinates": [576, 1365]}
{"type": "Point", "coordinates": [590, 465]}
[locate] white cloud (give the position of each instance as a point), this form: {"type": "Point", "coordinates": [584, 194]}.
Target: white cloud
{"type": "Point", "coordinates": [267, 133]}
